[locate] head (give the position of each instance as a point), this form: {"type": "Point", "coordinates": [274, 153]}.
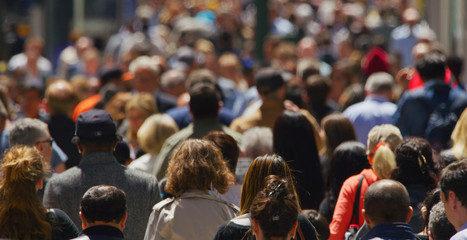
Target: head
{"type": "Point", "coordinates": [146, 73]}
{"type": "Point", "coordinates": [228, 147]}
{"type": "Point", "coordinates": [95, 131]}
{"type": "Point", "coordinates": [439, 227]}
{"type": "Point", "coordinates": [410, 16]}
{"type": "Point", "coordinates": [270, 84]}
{"type": "Point", "coordinates": [274, 210]}
{"type": "Point", "coordinates": [383, 161]}
{"type": "Point", "coordinates": [197, 165]}
{"type": "Point", "coordinates": [31, 99]}
{"type": "Point", "coordinates": [205, 101]}
{"type": "Point", "coordinates": [33, 48]}
{"type": "Point", "coordinates": [414, 159]}
{"type": "Point", "coordinates": [459, 136]}
{"type": "Point", "coordinates": [230, 66]}
{"type": "Point", "coordinates": [257, 141]}
{"type": "Point", "coordinates": [453, 184]}
{"type": "Point", "coordinates": [317, 89]}
{"type": "Point", "coordinates": [259, 169]}
{"type": "Point", "coordinates": [140, 107]}
{"type": "Point", "coordinates": [338, 129]}
{"type": "Point", "coordinates": [386, 201]}
{"type": "Point", "coordinates": [33, 133]}
{"type": "Point", "coordinates": [103, 205]}
{"type": "Point", "coordinates": [23, 172]}
{"type": "Point", "coordinates": [154, 131]}
{"type": "Point", "coordinates": [122, 153]}
{"type": "Point", "coordinates": [352, 94]}
{"type": "Point", "coordinates": [348, 159]}
{"type": "Point", "coordinates": [319, 222]}
{"type": "Point", "coordinates": [307, 48]}
{"type": "Point", "coordinates": [380, 83]}
{"type": "Point", "coordinates": [431, 66]}
{"type": "Point", "coordinates": [173, 82]}
{"type": "Point", "coordinates": [387, 133]}
{"type": "Point", "coordinates": [61, 98]}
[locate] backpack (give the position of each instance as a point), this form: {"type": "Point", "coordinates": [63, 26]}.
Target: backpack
{"type": "Point", "coordinates": [440, 125]}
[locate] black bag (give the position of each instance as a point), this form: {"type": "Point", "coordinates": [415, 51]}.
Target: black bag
{"type": "Point", "coordinates": [353, 227]}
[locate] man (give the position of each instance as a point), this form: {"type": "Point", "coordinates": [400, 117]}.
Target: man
{"type": "Point", "coordinates": [376, 109]}
{"type": "Point", "coordinates": [453, 183]}
{"type": "Point", "coordinates": [103, 213]}
{"type": "Point", "coordinates": [35, 133]}
{"type": "Point", "coordinates": [61, 100]}
{"type": "Point", "coordinates": [387, 210]}
{"type": "Point", "coordinates": [204, 107]}
{"type": "Point", "coordinates": [439, 227]}
{"type": "Point", "coordinates": [430, 112]}
{"type": "Point", "coordinates": [96, 138]}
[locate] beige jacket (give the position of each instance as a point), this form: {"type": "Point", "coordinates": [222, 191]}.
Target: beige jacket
{"type": "Point", "coordinates": [193, 215]}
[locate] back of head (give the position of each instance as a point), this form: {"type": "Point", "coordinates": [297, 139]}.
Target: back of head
{"type": "Point", "coordinates": [317, 88]}
{"type": "Point", "coordinates": [154, 131]}
{"type": "Point", "coordinates": [386, 201]}
{"type": "Point", "coordinates": [384, 161]}
{"type": "Point", "coordinates": [259, 169]}
{"type": "Point", "coordinates": [319, 222]}
{"type": "Point", "coordinates": [144, 102]}
{"type": "Point", "coordinates": [439, 227]}
{"type": "Point", "coordinates": [22, 215]}
{"type": "Point", "coordinates": [459, 137]}
{"type": "Point", "coordinates": [200, 76]}
{"type": "Point", "coordinates": [275, 208]}
{"type": "Point", "coordinates": [431, 66]}
{"type": "Point", "coordinates": [204, 101]}
{"type": "Point", "coordinates": [454, 178]}
{"type": "Point", "coordinates": [257, 141]}
{"type": "Point", "coordinates": [103, 203]}
{"type": "Point", "coordinates": [338, 129]}
{"type": "Point", "coordinates": [227, 145]}
{"type": "Point", "coordinates": [268, 81]}
{"type": "Point", "coordinates": [197, 165]}
{"type": "Point", "coordinates": [379, 82]}
{"type": "Point", "coordinates": [28, 131]}
{"type": "Point", "coordinates": [384, 133]}
{"type": "Point", "coordinates": [415, 164]}
{"type": "Point", "coordinates": [61, 98]}
{"type": "Point", "coordinates": [96, 130]}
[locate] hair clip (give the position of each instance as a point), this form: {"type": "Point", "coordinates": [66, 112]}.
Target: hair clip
{"type": "Point", "coordinates": [276, 189]}
{"type": "Point", "coordinates": [422, 164]}
{"type": "Point", "coordinates": [275, 218]}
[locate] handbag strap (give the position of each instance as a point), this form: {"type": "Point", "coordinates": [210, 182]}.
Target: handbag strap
{"type": "Point", "coordinates": [300, 233]}
{"type": "Point", "coordinates": [356, 202]}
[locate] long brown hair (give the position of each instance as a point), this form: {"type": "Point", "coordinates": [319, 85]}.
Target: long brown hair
{"type": "Point", "coordinates": [22, 215]}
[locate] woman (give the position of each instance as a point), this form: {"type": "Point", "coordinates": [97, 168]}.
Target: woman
{"type": "Point", "coordinates": [194, 169]}
{"type": "Point", "coordinates": [140, 107]}
{"type": "Point", "coordinates": [294, 140]}
{"type": "Point", "coordinates": [151, 135]}
{"type": "Point", "coordinates": [416, 171]}
{"type": "Point", "coordinates": [348, 159]}
{"type": "Point", "coordinates": [22, 215]}
{"type": "Point", "coordinates": [458, 150]}
{"type": "Point", "coordinates": [275, 210]}
{"type": "Point", "coordinates": [240, 227]}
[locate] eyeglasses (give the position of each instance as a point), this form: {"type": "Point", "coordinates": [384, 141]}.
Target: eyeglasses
{"type": "Point", "coordinates": [50, 141]}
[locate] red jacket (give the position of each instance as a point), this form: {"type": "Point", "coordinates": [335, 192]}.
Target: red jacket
{"type": "Point", "coordinates": [344, 206]}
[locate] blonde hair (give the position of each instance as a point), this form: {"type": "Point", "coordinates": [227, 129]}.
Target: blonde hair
{"type": "Point", "coordinates": [22, 215]}
{"type": "Point", "coordinates": [154, 131]}
{"type": "Point", "coordinates": [459, 137]}
{"type": "Point", "coordinates": [143, 102]}
{"type": "Point", "coordinates": [197, 164]}
{"type": "Point", "coordinates": [384, 161]}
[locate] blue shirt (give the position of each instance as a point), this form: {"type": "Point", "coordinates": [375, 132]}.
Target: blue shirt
{"type": "Point", "coordinates": [461, 234]}
{"type": "Point", "coordinates": [375, 110]}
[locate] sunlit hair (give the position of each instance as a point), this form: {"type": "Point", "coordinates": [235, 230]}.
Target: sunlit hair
{"type": "Point", "coordinates": [154, 131]}
{"type": "Point", "coordinates": [459, 137]}
{"type": "Point", "coordinates": [22, 215]}
{"type": "Point", "coordinates": [275, 207]}
{"type": "Point", "coordinates": [384, 161]}
{"type": "Point", "coordinates": [197, 165]}
{"type": "Point", "coordinates": [260, 168]}
{"type": "Point", "coordinates": [143, 102]}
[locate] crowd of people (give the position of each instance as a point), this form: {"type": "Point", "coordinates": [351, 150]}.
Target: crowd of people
{"type": "Point", "coordinates": [350, 123]}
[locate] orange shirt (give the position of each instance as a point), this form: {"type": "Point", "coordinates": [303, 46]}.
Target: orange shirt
{"type": "Point", "coordinates": [86, 105]}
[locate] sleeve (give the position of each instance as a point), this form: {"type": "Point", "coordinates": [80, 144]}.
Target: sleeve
{"type": "Point", "coordinates": [308, 230]}
{"type": "Point", "coordinates": [343, 211]}
{"type": "Point", "coordinates": [163, 158]}
{"type": "Point", "coordinates": [151, 229]}
{"type": "Point", "coordinates": [398, 119]}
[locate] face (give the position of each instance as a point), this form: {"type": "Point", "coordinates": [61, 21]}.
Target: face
{"type": "Point", "coordinates": [45, 147]}
{"type": "Point", "coordinates": [136, 119]}
{"type": "Point", "coordinates": [145, 80]}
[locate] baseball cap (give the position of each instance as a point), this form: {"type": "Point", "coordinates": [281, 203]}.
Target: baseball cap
{"type": "Point", "coordinates": [95, 124]}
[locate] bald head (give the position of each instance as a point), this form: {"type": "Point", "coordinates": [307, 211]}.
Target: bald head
{"type": "Point", "coordinates": [61, 98]}
{"type": "Point", "coordinates": [386, 201]}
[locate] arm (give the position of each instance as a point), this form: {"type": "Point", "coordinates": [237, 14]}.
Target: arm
{"type": "Point", "coordinates": [343, 211]}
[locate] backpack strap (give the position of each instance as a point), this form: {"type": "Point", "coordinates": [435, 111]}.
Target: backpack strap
{"type": "Point", "coordinates": [357, 201]}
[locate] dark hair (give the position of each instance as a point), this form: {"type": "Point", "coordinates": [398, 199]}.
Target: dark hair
{"type": "Point", "coordinates": [227, 145]}
{"type": "Point", "coordinates": [386, 201]}
{"type": "Point", "coordinates": [103, 203]}
{"type": "Point", "coordinates": [319, 222]}
{"type": "Point", "coordinates": [431, 66]}
{"type": "Point", "coordinates": [275, 208]}
{"type": "Point", "coordinates": [122, 152]}
{"type": "Point", "coordinates": [348, 159]}
{"type": "Point", "coordinates": [338, 129]}
{"type": "Point", "coordinates": [317, 88]}
{"type": "Point", "coordinates": [415, 164]}
{"type": "Point", "coordinates": [454, 178]}
{"type": "Point", "coordinates": [439, 226]}
{"type": "Point", "coordinates": [204, 100]}
{"type": "Point", "coordinates": [430, 201]}
{"type": "Point", "coordinates": [294, 141]}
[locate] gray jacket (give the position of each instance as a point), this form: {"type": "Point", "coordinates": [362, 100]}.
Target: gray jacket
{"type": "Point", "coordinates": [65, 190]}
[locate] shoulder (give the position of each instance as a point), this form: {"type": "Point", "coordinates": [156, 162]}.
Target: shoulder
{"type": "Point", "coordinates": [65, 177]}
